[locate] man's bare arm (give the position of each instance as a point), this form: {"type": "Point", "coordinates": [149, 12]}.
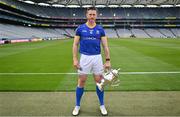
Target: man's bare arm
{"type": "Point", "coordinates": [75, 52]}
{"type": "Point", "coordinates": [107, 64]}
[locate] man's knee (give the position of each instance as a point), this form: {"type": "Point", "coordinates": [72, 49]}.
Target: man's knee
{"type": "Point", "coordinates": [82, 80]}
{"type": "Point", "coordinates": [81, 83]}
{"type": "Point", "coordinates": [98, 78]}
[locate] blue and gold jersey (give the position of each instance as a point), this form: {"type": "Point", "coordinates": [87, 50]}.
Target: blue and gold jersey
{"type": "Point", "coordinates": [90, 39]}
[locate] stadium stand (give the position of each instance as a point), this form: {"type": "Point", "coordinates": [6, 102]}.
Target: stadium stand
{"type": "Point", "coordinates": [154, 33]}
{"type": "Point", "coordinates": [127, 13]}
{"type": "Point", "coordinates": [70, 32]}
{"type": "Point", "coordinates": [124, 33]}
{"type": "Point", "coordinates": [176, 32]}
{"type": "Point", "coordinates": [167, 33]}
{"type": "Point", "coordinates": [139, 33]}
{"type": "Point", "coordinates": [23, 20]}
{"type": "Point", "coordinates": [15, 32]}
{"type": "Point", "coordinates": [111, 33]}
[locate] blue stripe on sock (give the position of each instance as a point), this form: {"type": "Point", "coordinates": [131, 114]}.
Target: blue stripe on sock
{"type": "Point", "coordinates": [79, 93]}
{"type": "Point", "coordinates": [100, 95]}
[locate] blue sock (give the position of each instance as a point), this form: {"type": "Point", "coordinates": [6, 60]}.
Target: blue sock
{"type": "Point", "coordinates": [100, 95]}
{"type": "Point", "coordinates": [79, 93]}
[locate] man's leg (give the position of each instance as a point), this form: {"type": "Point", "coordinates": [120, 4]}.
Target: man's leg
{"type": "Point", "coordinates": [79, 92]}
{"type": "Point", "coordinates": [80, 88]}
{"type": "Point", "coordinates": [100, 95]}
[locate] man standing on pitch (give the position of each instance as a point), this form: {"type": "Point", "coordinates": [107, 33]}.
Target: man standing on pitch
{"type": "Point", "coordinates": [90, 36]}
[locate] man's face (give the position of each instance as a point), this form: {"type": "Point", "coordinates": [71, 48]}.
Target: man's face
{"type": "Point", "coordinates": [91, 16]}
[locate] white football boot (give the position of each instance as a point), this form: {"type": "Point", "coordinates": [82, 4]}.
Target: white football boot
{"type": "Point", "coordinates": [76, 111]}
{"type": "Point", "coordinates": [103, 110]}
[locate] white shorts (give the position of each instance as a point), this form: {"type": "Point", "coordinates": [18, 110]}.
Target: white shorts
{"type": "Point", "coordinates": [91, 64]}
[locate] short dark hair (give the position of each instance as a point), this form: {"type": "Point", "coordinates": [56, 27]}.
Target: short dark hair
{"type": "Point", "coordinates": [91, 8]}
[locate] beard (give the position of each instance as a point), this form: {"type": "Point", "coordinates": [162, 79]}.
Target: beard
{"type": "Point", "coordinates": [92, 21]}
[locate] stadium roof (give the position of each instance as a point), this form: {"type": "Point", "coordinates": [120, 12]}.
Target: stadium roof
{"type": "Point", "coordinates": [102, 3]}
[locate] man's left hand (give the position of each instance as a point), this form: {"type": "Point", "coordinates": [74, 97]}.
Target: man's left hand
{"type": "Point", "coordinates": [107, 65]}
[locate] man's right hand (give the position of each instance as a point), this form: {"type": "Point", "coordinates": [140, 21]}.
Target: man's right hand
{"type": "Point", "coordinates": [76, 64]}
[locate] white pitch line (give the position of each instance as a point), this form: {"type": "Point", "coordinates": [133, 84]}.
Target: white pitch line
{"type": "Point", "coordinates": [172, 72]}
{"type": "Point", "coordinates": [38, 73]}
{"type": "Point", "coordinates": [125, 73]}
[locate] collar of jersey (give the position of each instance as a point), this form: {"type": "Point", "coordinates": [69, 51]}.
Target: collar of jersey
{"type": "Point", "coordinates": [89, 27]}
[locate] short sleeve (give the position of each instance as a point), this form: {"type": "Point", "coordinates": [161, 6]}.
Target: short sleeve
{"type": "Point", "coordinates": [102, 32]}
{"type": "Point", "coordinates": [78, 31]}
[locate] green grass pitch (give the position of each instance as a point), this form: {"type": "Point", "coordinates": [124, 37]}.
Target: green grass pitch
{"type": "Point", "coordinates": [131, 55]}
